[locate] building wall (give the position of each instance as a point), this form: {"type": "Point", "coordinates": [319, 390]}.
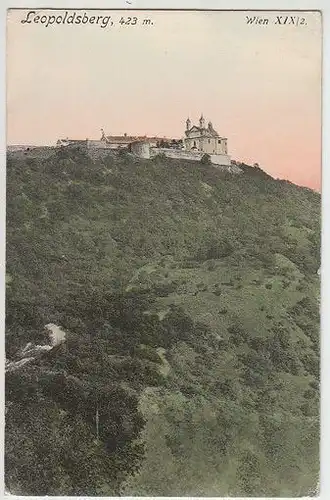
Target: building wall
{"type": "Point", "coordinates": [117, 145]}
{"type": "Point", "coordinates": [153, 142]}
{"type": "Point", "coordinates": [210, 145]}
{"type": "Point", "coordinates": [141, 149]}
{"type": "Point", "coordinates": [194, 134]}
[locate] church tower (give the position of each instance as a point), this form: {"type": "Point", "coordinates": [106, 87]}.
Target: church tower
{"type": "Point", "coordinates": [202, 121]}
{"type": "Point", "coordinates": [188, 124]}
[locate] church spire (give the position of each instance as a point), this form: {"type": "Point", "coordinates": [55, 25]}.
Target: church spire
{"type": "Point", "coordinates": [188, 123]}
{"type": "Point", "coordinates": [202, 121]}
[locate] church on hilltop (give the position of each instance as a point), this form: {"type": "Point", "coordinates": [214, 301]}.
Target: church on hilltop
{"type": "Point", "coordinates": [196, 143]}
{"type": "Point", "coordinates": [204, 139]}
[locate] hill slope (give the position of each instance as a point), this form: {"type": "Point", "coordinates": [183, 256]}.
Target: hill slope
{"type": "Point", "coordinates": [189, 298]}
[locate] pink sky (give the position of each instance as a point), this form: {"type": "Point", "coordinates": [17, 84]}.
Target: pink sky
{"type": "Point", "coordinates": [260, 85]}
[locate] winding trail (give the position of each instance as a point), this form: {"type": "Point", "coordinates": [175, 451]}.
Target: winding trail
{"type": "Point", "coordinates": [166, 367]}
{"type": "Point", "coordinates": [30, 351]}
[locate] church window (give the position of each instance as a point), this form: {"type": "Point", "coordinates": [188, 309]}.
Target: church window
{"type": "Point", "coordinates": [219, 141]}
{"type": "Point", "coordinates": [209, 141]}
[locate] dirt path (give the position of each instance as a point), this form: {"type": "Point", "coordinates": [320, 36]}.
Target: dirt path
{"type": "Point", "coordinates": [166, 367]}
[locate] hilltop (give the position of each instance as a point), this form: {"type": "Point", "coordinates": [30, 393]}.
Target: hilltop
{"type": "Point", "coordinates": [189, 300]}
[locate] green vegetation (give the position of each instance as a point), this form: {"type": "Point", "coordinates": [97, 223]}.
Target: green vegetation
{"type": "Point", "coordinates": [189, 297]}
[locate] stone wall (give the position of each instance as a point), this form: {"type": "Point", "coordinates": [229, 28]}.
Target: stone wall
{"type": "Point", "coordinates": [97, 144]}
{"type": "Point", "coordinates": [177, 153]}
{"type": "Point", "coordinates": [20, 147]}
{"type": "Point", "coordinates": [218, 159]}
{"type": "Point", "coordinates": [141, 149]}
{"type": "Point", "coordinates": [33, 152]}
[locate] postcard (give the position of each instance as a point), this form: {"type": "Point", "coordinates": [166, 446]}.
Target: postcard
{"type": "Point", "coordinates": [163, 229]}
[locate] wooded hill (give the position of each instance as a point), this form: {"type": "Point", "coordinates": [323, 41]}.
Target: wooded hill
{"type": "Point", "coordinates": [190, 302]}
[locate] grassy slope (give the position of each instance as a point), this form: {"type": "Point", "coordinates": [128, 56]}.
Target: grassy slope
{"type": "Point", "coordinates": [232, 405]}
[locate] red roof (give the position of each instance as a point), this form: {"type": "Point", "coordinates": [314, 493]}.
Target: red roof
{"type": "Point", "coordinates": [126, 139]}
{"type": "Point", "coordinates": [120, 139]}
